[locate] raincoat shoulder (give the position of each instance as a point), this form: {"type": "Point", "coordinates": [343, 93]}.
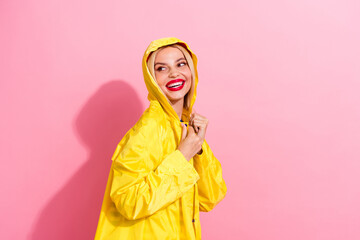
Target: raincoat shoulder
{"type": "Point", "coordinates": [145, 135]}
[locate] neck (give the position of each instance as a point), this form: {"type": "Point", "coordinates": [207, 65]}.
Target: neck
{"type": "Point", "coordinates": [178, 107]}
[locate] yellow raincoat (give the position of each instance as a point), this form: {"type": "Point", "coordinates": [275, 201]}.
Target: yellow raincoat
{"type": "Point", "coordinates": [153, 192]}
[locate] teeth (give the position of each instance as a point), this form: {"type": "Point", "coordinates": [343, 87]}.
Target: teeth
{"type": "Point", "coordinates": [175, 85]}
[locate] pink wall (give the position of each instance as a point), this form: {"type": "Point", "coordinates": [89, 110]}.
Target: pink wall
{"type": "Point", "coordinates": [279, 81]}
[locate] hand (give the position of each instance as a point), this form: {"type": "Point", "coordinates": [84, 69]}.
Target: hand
{"type": "Point", "coordinates": [199, 123]}
{"type": "Point", "coordinates": [190, 143]}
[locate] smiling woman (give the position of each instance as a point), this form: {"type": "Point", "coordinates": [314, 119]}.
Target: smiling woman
{"type": "Point", "coordinates": [163, 171]}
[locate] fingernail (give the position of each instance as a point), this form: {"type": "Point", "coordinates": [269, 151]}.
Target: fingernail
{"type": "Point", "coordinates": [185, 124]}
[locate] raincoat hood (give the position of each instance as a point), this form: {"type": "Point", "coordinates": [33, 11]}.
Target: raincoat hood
{"type": "Point", "coordinates": [155, 93]}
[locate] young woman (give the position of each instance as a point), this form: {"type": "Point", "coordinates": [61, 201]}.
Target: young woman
{"type": "Point", "coordinates": [163, 171]}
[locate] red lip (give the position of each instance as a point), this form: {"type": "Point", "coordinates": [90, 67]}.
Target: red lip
{"type": "Point", "coordinates": [175, 81]}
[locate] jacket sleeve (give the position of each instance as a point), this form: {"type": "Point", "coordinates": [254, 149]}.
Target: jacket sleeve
{"type": "Point", "coordinates": [139, 189]}
{"type": "Point", "coordinates": [211, 185]}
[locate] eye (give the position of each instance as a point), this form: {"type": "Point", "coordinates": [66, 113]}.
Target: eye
{"type": "Point", "coordinates": [181, 64]}
{"type": "Point", "coordinates": [161, 68]}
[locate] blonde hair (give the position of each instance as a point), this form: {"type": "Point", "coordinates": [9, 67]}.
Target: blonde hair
{"type": "Point", "coordinates": [151, 67]}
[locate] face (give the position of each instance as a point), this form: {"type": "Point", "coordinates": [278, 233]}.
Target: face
{"type": "Point", "coordinates": [172, 73]}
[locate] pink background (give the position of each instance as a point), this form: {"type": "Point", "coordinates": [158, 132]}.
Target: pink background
{"type": "Point", "coordinates": [279, 82]}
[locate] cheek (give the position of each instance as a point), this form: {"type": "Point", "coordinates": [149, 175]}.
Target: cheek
{"type": "Point", "coordinates": [160, 79]}
{"type": "Point", "coordinates": [187, 74]}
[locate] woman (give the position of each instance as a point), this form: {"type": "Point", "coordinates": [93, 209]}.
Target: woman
{"type": "Point", "coordinates": [163, 171]}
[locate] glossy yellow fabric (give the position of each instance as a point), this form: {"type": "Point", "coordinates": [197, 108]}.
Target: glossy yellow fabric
{"type": "Point", "coordinates": [153, 192]}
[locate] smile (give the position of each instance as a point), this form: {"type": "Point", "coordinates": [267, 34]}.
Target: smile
{"type": "Point", "coordinates": [175, 85]}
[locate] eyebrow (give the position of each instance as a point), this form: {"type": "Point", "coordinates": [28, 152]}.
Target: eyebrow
{"type": "Point", "coordinates": [165, 63]}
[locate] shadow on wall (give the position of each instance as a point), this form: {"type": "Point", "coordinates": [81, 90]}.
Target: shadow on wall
{"type": "Point", "coordinates": [74, 211]}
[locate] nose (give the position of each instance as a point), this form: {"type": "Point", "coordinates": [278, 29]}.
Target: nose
{"type": "Point", "coordinates": [173, 73]}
